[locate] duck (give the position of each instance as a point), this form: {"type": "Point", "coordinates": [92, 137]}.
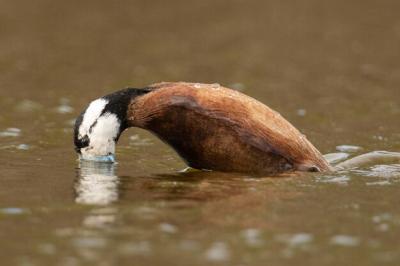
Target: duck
{"type": "Point", "coordinates": [211, 127]}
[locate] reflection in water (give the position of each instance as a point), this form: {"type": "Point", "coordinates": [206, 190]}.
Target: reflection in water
{"type": "Point", "coordinates": [96, 183]}
{"type": "Point", "coordinates": [100, 217]}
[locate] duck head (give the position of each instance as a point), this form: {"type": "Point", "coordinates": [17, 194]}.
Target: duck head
{"type": "Point", "coordinates": [98, 128]}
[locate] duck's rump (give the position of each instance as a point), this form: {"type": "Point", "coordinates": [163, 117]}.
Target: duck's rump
{"type": "Point", "coordinates": [216, 128]}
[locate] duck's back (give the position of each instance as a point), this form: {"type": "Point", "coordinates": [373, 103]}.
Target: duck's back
{"type": "Point", "coordinates": [217, 128]}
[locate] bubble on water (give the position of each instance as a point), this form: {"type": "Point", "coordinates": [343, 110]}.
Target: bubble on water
{"type": "Point", "coordinates": [354, 206]}
{"type": "Point", "coordinates": [215, 85]}
{"type": "Point", "coordinates": [47, 248]}
{"type": "Point", "coordinates": [23, 147]}
{"type": "Point", "coordinates": [383, 227]}
{"type": "Point", "coordinates": [134, 137]}
{"type": "Point", "coordinates": [238, 86]}
{"type": "Point", "coordinates": [89, 242]}
{"type": "Point", "coordinates": [98, 221]}
{"type": "Point", "coordinates": [10, 132]}
{"type": "Point", "coordinates": [70, 122]}
{"type": "Point", "coordinates": [387, 256]}
{"type": "Point", "coordinates": [345, 240]}
{"type": "Point", "coordinates": [384, 175]}
{"type": "Point", "coordinates": [25, 261]}
{"type": "Point", "coordinates": [64, 232]}
{"type": "Point", "coordinates": [378, 137]}
{"type": "Point", "coordinates": [252, 237]}
{"type": "Point", "coordinates": [12, 210]}
{"type": "Point", "coordinates": [301, 112]}
{"type": "Point", "coordinates": [296, 239]}
{"type": "Point", "coordinates": [28, 106]}
{"type": "Point", "coordinates": [379, 183]}
{"type": "Point", "coordinates": [384, 171]}
{"type": "Point", "coordinates": [135, 248]}
{"type": "Point", "coordinates": [218, 251]}
{"type": "Point", "coordinates": [146, 213]}
{"type": "Point", "coordinates": [373, 243]}
{"type": "Point", "coordinates": [383, 217]}
{"type": "Point", "coordinates": [70, 261]}
{"type": "Point", "coordinates": [340, 180]}
{"type": "Point", "coordinates": [300, 239]}
{"type": "Point", "coordinates": [88, 254]}
{"type": "Point", "coordinates": [64, 107]}
{"type": "Point", "coordinates": [189, 245]}
{"type": "Point", "coordinates": [348, 148]}
{"type": "Point", "coordinates": [136, 140]}
{"type": "Point", "coordinates": [168, 228]}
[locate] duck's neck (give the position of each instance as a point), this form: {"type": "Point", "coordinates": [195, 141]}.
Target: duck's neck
{"type": "Point", "coordinates": [118, 103]}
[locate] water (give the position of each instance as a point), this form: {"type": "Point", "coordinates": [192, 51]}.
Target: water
{"type": "Point", "coordinates": [331, 68]}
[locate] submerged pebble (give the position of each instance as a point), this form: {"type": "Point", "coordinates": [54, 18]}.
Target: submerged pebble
{"type": "Point", "coordinates": [10, 132]}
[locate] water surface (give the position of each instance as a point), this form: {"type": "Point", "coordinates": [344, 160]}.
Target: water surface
{"type": "Point", "coordinates": [331, 68]}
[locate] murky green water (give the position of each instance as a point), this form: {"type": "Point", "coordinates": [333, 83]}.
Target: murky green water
{"type": "Point", "coordinates": [332, 68]}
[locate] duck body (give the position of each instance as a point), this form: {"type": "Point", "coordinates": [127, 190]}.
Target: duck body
{"type": "Point", "coordinates": [215, 128]}
{"type": "Point", "coordinates": [211, 127]}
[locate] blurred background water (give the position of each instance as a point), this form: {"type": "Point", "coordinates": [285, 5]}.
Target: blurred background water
{"type": "Point", "coordinates": [330, 67]}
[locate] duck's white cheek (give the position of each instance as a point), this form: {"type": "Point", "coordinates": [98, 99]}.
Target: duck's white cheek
{"type": "Point", "coordinates": [106, 127]}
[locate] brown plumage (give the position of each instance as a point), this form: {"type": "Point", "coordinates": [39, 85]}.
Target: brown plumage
{"type": "Point", "coordinates": [216, 128]}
